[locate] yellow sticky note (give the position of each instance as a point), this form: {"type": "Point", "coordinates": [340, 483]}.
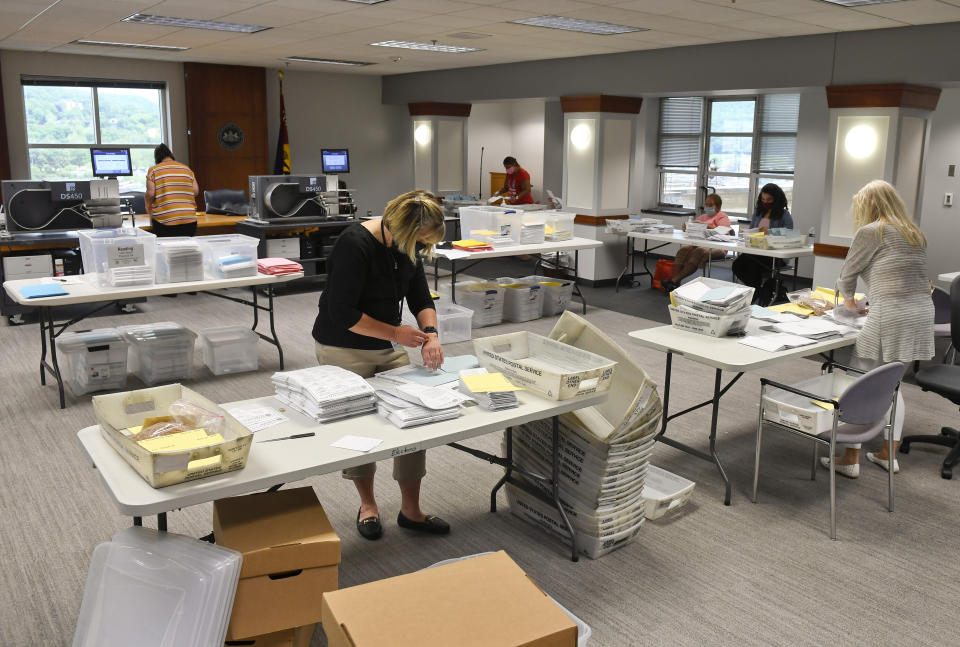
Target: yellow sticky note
{"type": "Point", "coordinates": [132, 431]}
{"type": "Point", "coordinates": [487, 382]}
{"type": "Point", "coordinates": [795, 308]}
{"type": "Point", "coordinates": [826, 405]}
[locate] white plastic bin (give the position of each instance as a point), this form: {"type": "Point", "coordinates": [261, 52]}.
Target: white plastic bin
{"type": "Point", "coordinates": [798, 412]}
{"type": "Point", "coordinates": [522, 300]}
{"type": "Point", "coordinates": [159, 352]}
{"type": "Point", "coordinates": [179, 259]}
{"type": "Point", "coordinates": [665, 491]}
{"type": "Point", "coordinates": [735, 305]}
{"type": "Point", "coordinates": [230, 349]}
{"type": "Point", "coordinates": [453, 322]}
{"type": "Point", "coordinates": [555, 293]}
{"type": "Point", "coordinates": [230, 256]}
{"type": "Point", "coordinates": [118, 257]}
{"type": "Point", "coordinates": [484, 299]}
{"type": "Point", "coordinates": [95, 360]}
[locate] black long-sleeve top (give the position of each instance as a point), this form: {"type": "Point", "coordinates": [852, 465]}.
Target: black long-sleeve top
{"type": "Point", "coordinates": [366, 277]}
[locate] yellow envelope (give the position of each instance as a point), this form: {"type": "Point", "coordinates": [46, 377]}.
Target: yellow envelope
{"type": "Point", "coordinates": [825, 405]}
{"type": "Point", "coordinates": [469, 243]}
{"type": "Point", "coordinates": [184, 441]}
{"type": "Point", "coordinates": [487, 382]}
{"type": "Point", "coordinates": [795, 308]}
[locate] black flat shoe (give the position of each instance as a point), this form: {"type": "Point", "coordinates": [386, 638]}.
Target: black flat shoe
{"type": "Point", "coordinates": [432, 524]}
{"type": "Point", "coordinates": [369, 528]}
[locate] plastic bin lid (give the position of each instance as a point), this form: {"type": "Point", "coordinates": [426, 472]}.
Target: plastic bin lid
{"type": "Point", "coordinates": [73, 341]}
{"type": "Point", "coordinates": [227, 334]}
{"type": "Point", "coordinates": [164, 331]}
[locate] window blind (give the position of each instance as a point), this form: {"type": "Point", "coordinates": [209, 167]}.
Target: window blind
{"type": "Point", "coordinates": [681, 122]}
{"type": "Point", "coordinates": [778, 133]}
{"type": "Point", "coordinates": [91, 83]}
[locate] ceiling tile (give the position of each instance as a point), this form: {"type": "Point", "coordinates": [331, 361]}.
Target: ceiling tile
{"type": "Point", "coordinates": [915, 12]}
{"type": "Point", "coordinates": [840, 19]}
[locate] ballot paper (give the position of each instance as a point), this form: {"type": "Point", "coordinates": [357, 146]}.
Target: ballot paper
{"type": "Point", "coordinates": [256, 417]}
{"type": "Point", "coordinates": [410, 404]}
{"type": "Point", "coordinates": [765, 314]}
{"type": "Point", "coordinates": [812, 328]}
{"type": "Point", "coordinates": [692, 291]}
{"type": "Point", "coordinates": [492, 391]}
{"type": "Point", "coordinates": [324, 393]}
{"type": "Point", "coordinates": [357, 443]}
{"type": "Point", "coordinates": [774, 342]}
{"type": "Point", "coordinates": [449, 372]}
{"type": "Point", "coordinates": [723, 295]}
{"type": "Point", "coordinates": [696, 230]}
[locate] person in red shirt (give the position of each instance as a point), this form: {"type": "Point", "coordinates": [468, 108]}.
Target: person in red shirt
{"type": "Point", "coordinates": [517, 184]}
{"type": "Point", "coordinates": [690, 258]}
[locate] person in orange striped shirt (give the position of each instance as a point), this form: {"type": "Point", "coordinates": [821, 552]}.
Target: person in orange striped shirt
{"type": "Point", "coordinates": [171, 197]}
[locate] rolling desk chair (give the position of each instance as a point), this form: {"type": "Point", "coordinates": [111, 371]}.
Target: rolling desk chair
{"type": "Point", "coordinates": [231, 202]}
{"type": "Point", "coordinates": [944, 380]}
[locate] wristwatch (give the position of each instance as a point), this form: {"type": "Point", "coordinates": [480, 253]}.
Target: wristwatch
{"type": "Point", "coordinates": [430, 329]}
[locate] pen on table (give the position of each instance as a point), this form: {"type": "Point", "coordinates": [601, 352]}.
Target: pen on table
{"type": "Point", "coordinates": [306, 435]}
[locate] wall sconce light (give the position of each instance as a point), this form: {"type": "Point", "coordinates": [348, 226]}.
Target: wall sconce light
{"type": "Point", "coordinates": [861, 141]}
{"type": "Point", "coordinates": [422, 134]}
{"type": "Point", "coordinates": [580, 136]}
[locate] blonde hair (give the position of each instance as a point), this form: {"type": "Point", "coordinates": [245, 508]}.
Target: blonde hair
{"type": "Point", "coordinates": [878, 200]}
{"type": "Point", "coordinates": [410, 216]}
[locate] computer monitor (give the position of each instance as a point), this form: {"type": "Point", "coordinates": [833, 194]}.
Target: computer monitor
{"type": "Point", "coordinates": [335, 160]}
{"type": "Point", "coordinates": [111, 162]}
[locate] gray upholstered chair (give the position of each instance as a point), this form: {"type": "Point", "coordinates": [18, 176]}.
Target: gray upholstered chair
{"type": "Point", "coordinates": [941, 319]}
{"type": "Point", "coordinates": [943, 379]}
{"type": "Point", "coordinates": [865, 408]}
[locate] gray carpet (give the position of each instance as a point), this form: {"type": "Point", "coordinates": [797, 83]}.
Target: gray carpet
{"type": "Point", "coordinates": [764, 574]}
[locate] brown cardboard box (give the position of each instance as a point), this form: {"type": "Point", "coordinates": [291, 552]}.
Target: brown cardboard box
{"type": "Point", "coordinates": [487, 601]}
{"type": "Point", "coordinates": [299, 637]}
{"type": "Point", "coordinates": [290, 557]}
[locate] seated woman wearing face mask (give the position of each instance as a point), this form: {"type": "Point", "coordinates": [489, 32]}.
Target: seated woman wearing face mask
{"type": "Point", "coordinates": [373, 267]}
{"type": "Point", "coordinates": [690, 258]}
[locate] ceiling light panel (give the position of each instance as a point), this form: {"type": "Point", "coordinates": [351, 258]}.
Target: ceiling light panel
{"type": "Point", "coordinates": [325, 61]}
{"type": "Point", "coordinates": [577, 24]}
{"type": "Point", "coordinates": [192, 23]}
{"type": "Point", "coordinates": [106, 43]}
{"type": "Point", "coordinates": [426, 47]}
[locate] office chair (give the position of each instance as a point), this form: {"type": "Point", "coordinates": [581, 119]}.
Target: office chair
{"type": "Point", "coordinates": [226, 201]}
{"type": "Point", "coordinates": [864, 409]}
{"type": "Point", "coordinates": [944, 380]}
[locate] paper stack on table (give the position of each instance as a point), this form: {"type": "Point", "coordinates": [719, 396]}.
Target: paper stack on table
{"type": "Point", "coordinates": [532, 233]}
{"type": "Point", "coordinates": [811, 328]}
{"type": "Point", "coordinates": [179, 260]}
{"type": "Point", "coordinates": [278, 266]}
{"type": "Point", "coordinates": [150, 588]}
{"type": "Point", "coordinates": [492, 391]}
{"type": "Point", "coordinates": [325, 393]}
{"type": "Point", "coordinates": [411, 404]}
{"type": "Point", "coordinates": [696, 230]}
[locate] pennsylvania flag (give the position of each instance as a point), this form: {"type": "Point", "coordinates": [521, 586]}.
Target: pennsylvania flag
{"type": "Point", "coordinates": [281, 165]}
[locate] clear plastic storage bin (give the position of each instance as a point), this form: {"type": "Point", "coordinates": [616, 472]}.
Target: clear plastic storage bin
{"type": "Point", "coordinates": [159, 352]}
{"type": "Point", "coordinates": [484, 299]}
{"type": "Point", "coordinates": [179, 259]}
{"type": "Point", "coordinates": [522, 299]}
{"type": "Point", "coordinates": [231, 349]}
{"type": "Point", "coordinates": [453, 322]}
{"type": "Point", "coordinates": [556, 293]}
{"type": "Point", "coordinates": [559, 225]}
{"type": "Point", "coordinates": [118, 257]}
{"type": "Point", "coordinates": [94, 360]}
{"type": "Point", "coordinates": [230, 256]}
{"type": "Point", "coordinates": [491, 224]}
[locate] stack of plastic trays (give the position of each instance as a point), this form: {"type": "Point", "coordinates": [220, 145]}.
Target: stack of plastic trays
{"type": "Point", "coordinates": [179, 259]}
{"type": "Point", "coordinates": [522, 301]}
{"type": "Point", "coordinates": [484, 298]}
{"type": "Point", "coordinates": [160, 352]}
{"type": "Point", "coordinates": [155, 589]}
{"type": "Point", "coordinates": [95, 360]}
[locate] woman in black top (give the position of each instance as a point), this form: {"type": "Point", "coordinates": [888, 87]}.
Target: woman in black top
{"type": "Point", "coordinates": [374, 265]}
{"type": "Point", "coordinates": [770, 213]}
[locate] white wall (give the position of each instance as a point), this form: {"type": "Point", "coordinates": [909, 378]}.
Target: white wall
{"type": "Point", "coordinates": [942, 224]}
{"type": "Point", "coordinates": [810, 174]}
{"type": "Point", "coordinates": [344, 111]}
{"type": "Point", "coordinates": [17, 63]}
{"type": "Point", "coordinates": [506, 129]}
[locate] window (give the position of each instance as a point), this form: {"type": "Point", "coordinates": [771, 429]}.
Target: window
{"type": "Point", "coordinates": [66, 117]}
{"type": "Point", "coordinates": [728, 145]}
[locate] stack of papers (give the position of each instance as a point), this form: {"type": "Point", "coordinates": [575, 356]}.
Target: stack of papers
{"type": "Point", "coordinates": [775, 342]}
{"type": "Point", "coordinates": [812, 328]}
{"type": "Point", "coordinates": [469, 245]}
{"type": "Point", "coordinates": [411, 404]}
{"type": "Point", "coordinates": [235, 265]}
{"type": "Point", "coordinates": [533, 233]}
{"type": "Point", "coordinates": [325, 393]}
{"type": "Point", "coordinates": [130, 275]}
{"type": "Point", "coordinates": [277, 266]}
{"type": "Point", "coordinates": [150, 588]}
{"type": "Point", "coordinates": [766, 314]}
{"type": "Point", "coordinates": [179, 261]}
{"type": "Point", "coordinates": [696, 230]}
{"type": "Point", "coordinates": [659, 228]}
{"type": "Point", "coordinates": [449, 372]}
{"type": "Point", "coordinates": [492, 391]}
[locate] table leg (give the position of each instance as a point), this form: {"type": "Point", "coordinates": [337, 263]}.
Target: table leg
{"type": "Point", "coordinates": [626, 264]}
{"type": "Point", "coordinates": [576, 276]}
{"type": "Point", "coordinates": [796, 266]}
{"type": "Point", "coordinates": [54, 366]}
{"type": "Point", "coordinates": [508, 471]}
{"type": "Point", "coordinates": [436, 273]}
{"type": "Point", "coordinates": [256, 309]}
{"type": "Point", "coordinates": [43, 346]}
{"type": "Point", "coordinates": [713, 435]}
{"type": "Point", "coordinates": [162, 522]}
{"type": "Point", "coordinates": [273, 328]}
{"type": "Point", "coordinates": [453, 280]}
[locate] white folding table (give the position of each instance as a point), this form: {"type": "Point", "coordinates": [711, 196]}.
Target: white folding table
{"type": "Point", "coordinates": [541, 250]}
{"type": "Point", "coordinates": [271, 464]}
{"type": "Point", "coordinates": [85, 290]}
{"type": "Point", "coordinates": [723, 354]}
{"type": "Point", "coordinates": [947, 277]}
{"type": "Point", "coordinates": [680, 238]}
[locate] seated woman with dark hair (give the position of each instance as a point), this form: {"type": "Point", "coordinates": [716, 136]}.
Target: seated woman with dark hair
{"type": "Point", "coordinates": [690, 258]}
{"type": "Point", "coordinates": [770, 213]}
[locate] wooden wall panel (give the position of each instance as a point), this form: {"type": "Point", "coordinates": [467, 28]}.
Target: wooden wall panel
{"type": "Point", "coordinates": [888, 95]}
{"type": "Point", "coordinates": [217, 95]}
{"type": "Point", "coordinates": [601, 103]}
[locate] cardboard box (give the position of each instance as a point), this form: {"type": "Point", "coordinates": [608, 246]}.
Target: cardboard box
{"type": "Point", "coordinates": [297, 637]}
{"type": "Point", "coordinates": [290, 557]}
{"type": "Point", "coordinates": [486, 601]}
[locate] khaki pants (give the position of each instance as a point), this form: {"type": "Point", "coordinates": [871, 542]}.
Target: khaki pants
{"type": "Point", "coordinates": [366, 363]}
